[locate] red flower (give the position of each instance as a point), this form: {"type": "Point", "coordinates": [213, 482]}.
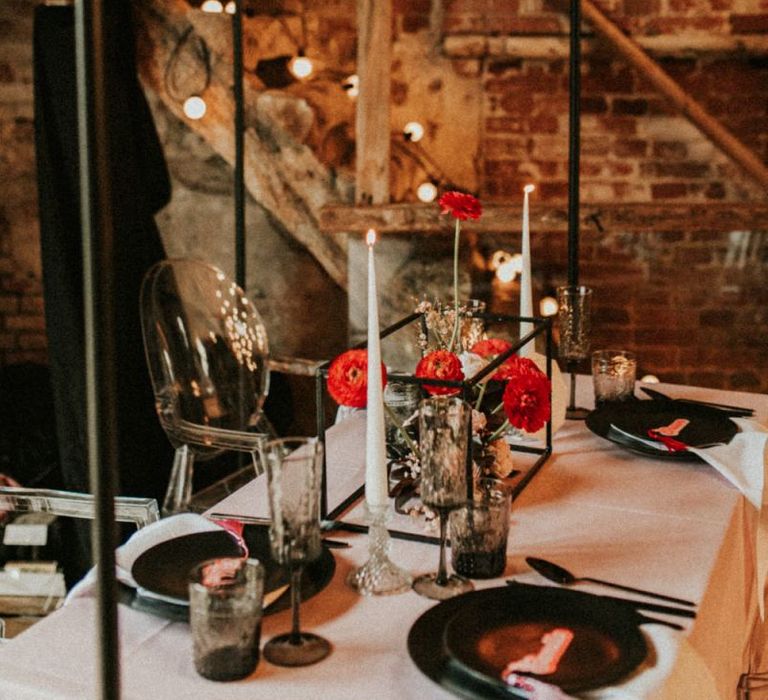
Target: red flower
{"type": "Point", "coordinates": [348, 378]}
{"type": "Point", "coordinates": [460, 206]}
{"type": "Point", "coordinates": [526, 401]}
{"type": "Point", "coordinates": [516, 366]}
{"type": "Point", "coordinates": [440, 364]}
{"type": "Point", "coordinates": [490, 346]}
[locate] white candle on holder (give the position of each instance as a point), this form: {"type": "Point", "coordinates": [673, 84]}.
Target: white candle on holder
{"type": "Point", "coordinates": [376, 491]}
{"type": "Point", "coordinates": [526, 292]}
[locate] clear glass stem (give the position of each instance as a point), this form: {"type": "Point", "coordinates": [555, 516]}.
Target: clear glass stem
{"type": "Point", "coordinates": [442, 571]}
{"type": "Point", "coordinates": [295, 604]}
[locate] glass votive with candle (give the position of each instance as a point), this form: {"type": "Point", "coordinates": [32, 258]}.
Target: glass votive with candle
{"type": "Point", "coordinates": [401, 400]}
{"type": "Point", "coordinates": [613, 375]}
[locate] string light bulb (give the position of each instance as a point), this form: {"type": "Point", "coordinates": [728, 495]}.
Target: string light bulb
{"type": "Point", "coordinates": [301, 66]}
{"type": "Point", "coordinates": [212, 6]}
{"type": "Point", "coordinates": [413, 132]}
{"type": "Point", "coordinates": [548, 306]}
{"type": "Point", "coordinates": [650, 379]}
{"type": "Point", "coordinates": [426, 192]}
{"type": "Point", "coordinates": [508, 267]}
{"type": "Point", "coordinates": [195, 107]}
{"type": "Point", "coordinates": [230, 8]}
{"type": "Point", "coordinates": [352, 86]}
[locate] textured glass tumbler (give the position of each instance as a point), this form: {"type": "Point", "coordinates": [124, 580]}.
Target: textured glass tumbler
{"type": "Point", "coordinates": [574, 318]}
{"type": "Point", "coordinates": [479, 532]}
{"type": "Point", "coordinates": [443, 443]}
{"type": "Point", "coordinates": [613, 375]}
{"type": "Point", "coordinates": [441, 323]}
{"type": "Point", "coordinates": [294, 472]}
{"type": "Point", "coordinates": [225, 608]}
{"type": "Point", "coordinates": [401, 401]}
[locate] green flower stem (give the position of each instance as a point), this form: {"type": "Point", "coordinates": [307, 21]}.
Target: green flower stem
{"type": "Point", "coordinates": [455, 285]}
{"type": "Point", "coordinates": [480, 396]}
{"type": "Point", "coordinates": [403, 432]}
{"type": "Point", "coordinates": [497, 409]}
{"type": "Point", "coordinates": [496, 434]}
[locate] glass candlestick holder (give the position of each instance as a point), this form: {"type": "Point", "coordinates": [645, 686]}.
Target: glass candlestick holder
{"type": "Point", "coordinates": [379, 575]}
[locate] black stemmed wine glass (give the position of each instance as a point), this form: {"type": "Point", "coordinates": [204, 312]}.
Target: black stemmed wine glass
{"type": "Point", "coordinates": [294, 468]}
{"type": "Point", "coordinates": [443, 444]}
{"type": "Point", "coordinates": [575, 322]}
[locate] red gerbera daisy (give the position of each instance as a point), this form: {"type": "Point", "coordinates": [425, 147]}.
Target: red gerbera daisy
{"type": "Point", "coordinates": [440, 364]}
{"type": "Point", "coordinates": [526, 401]}
{"type": "Point", "coordinates": [460, 205]}
{"type": "Point", "coordinates": [516, 366]}
{"type": "Point", "coordinates": [348, 378]}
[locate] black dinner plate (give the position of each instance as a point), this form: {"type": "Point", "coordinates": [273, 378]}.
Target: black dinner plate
{"type": "Point", "coordinates": [464, 643]}
{"type": "Point", "coordinates": [707, 425]}
{"type": "Point", "coordinates": [164, 569]}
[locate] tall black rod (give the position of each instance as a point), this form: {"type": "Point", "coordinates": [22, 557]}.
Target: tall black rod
{"type": "Point", "coordinates": [237, 77]}
{"type": "Point", "coordinates": [574, 128]}
{"type": "Point", "coordinates": [98, 265]}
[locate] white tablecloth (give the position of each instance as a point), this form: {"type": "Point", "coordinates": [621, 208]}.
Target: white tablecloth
{"type": "Point", "coordinates": [678, 528]}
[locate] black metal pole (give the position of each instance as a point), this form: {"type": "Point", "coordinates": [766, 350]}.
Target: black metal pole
{"type": "Point", "coordinates": [237, 77]}
{"type": "Point", "coordinates": [574, 127]}
{"type": "Point", "coordinates": [98, 265]}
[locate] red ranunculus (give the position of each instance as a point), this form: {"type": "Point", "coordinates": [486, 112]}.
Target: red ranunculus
{"type": "Point", "coordinates": [460, 205]}
{"type": "Point", "coordinates": [440, 364]}
{"type": "Point", "coordinates": [348, 378]}
{"type": "Point", "coordinates": [516, 366]}
{"type": "Point", "coordinates": [490, 347]}
{"type": "Point", "coordinates": [526, 401]}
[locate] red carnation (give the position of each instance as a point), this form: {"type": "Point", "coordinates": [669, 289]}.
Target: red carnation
{"type": "Point", "coordinates": [526, 401]}
{"type": "Point", "coordinates": [348, 378]}
{"type": "Point", "coordinates": [440, 364]}
{"type": "Point", "coordinates": [460, 206]}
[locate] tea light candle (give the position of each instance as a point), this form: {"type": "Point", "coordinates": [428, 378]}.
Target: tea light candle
{"type": "Point", "coordinates": [526, 293]}
{"type": "Point", "coordinates": [376, 488]}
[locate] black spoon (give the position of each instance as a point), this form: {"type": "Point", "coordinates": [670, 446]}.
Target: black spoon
{"type": "Point", "coordinates": [558, 574]}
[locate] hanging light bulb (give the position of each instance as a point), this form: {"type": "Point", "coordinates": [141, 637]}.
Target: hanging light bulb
{"type": "Point", "coordinates": [212, 6]}
{"type": "Point", "coordinates": [194, 107]}
{"type": "Point", "coordinates": [510, 268]}
{"type": "Point", "coordinates": [230, 8]}
{"type": "Point", "coordinates": [352, 86]}
{"type": "Point", "coordinates": [426, 192]}
{"type": "Point", "coordinates": [413, 131]}
{"type": "Point", "coordinates": [301, 66]}
{"type": "Point", "coordinates": [548, 306]}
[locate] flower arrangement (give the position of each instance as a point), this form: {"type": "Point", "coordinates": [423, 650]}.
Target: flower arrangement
{"type": "Point", "coordinates": [516, 396]}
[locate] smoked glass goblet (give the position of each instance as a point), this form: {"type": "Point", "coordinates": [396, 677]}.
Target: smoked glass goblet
{"type": "Point", "coordinates": [294, 469]}
{"type": "Point", "coordinates": [443, 444]}
{"type": "Point", "coordinates": [575, 321]}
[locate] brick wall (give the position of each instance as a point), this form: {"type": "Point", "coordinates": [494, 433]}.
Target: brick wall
{"type": "Point", "coordinates": [22, 326]}
{"type": "Point", "coordinates": [689, 299]}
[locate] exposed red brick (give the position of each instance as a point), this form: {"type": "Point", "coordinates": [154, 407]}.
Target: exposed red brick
{"type": "Point", "coordinates": [630, 148]}
{"type": "Point", "coordinates": [668, 190]}
{"type": "Point", "coordinates": [749, 24]}
{"type": "Point", "coordinates": [621, 105]}
{"type": "Point", "coordinates": [670, 149]}
{"type": "Point", "coordinates": [594, 105]}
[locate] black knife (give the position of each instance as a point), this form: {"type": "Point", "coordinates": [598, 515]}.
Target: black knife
{"type": "Point", "coordinates": [735, 411]}
{"type": "Point", "coordinates": [641, 604]}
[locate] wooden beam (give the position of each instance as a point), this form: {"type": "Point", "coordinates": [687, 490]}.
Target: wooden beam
{"type": "Point", "coordinates": [283, 176]}
{"type": "Point", "coordinates": [553, 47]}
{"type": "Point", "coordinates": [415, 219]}
{"type": "Point", "coordinates": [650, 70]}
{"type": "Point", "coordinates": [374, 58]}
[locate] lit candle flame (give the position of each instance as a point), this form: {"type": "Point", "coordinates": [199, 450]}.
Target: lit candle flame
{"type": "Point", "coordinates": [529, 188]}
{"type": "Point", "coordinates": [370, 237]}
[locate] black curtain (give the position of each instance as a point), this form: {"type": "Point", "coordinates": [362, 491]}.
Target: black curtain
{"type": "Point", "coordinates": [140, 187]}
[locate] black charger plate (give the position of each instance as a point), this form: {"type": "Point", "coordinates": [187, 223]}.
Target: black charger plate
{"type": "Point", "coordinates": [164, 569]}
{"type": "Point", "coordinates": [707, 425]}
{"type": "Point", "coordinates": [449, 643]}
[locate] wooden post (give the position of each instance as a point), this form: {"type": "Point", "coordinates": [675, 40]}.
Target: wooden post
{"type": "Point", "coordinates": [374, 58]}
{"type": "Point", "coordinates": [719, 135]}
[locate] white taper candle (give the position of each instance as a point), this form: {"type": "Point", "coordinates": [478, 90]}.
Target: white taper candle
{"type": "Point", "coordinates": [526, 291]}
{"type": "Point", "coordinates": [376, 491]}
